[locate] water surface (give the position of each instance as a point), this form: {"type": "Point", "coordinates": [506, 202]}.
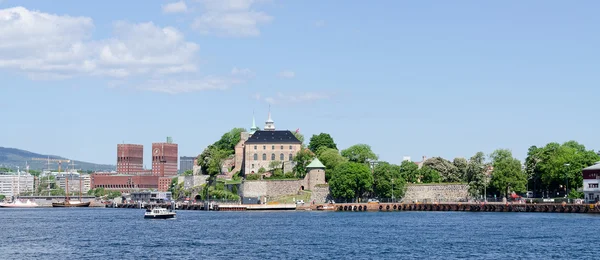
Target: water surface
{"type": "Point", "coordinates": [99, 233]}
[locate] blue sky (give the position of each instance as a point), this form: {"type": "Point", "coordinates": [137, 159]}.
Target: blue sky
{"type": "Point", "coordinates": [417, 78]}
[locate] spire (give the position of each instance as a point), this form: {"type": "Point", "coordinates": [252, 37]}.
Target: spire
{"type": "Point", "coordinates": [269, 124]}
{"type": "Point", "coordinates": [254, 128]}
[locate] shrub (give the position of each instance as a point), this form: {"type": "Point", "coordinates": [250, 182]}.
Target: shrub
{"type": "Point", "coordinates": [252, 177]}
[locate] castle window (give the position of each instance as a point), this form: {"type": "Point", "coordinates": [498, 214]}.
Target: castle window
{"type": "Point", "coordinates": [264, 147]}
{"type": "Point", "coordinates": [272, 147]}
{"type": "Point", "coordinates": [272, 157]}
{"type": "Point", "coordinates": [290, 147]}
{"type": "Point", "coordinates": [281, 157]}
{"type": "Point", "coordinates": [255, 147]}
{"type": "Point", "coordinates": [291, 157]}
{"type": "Point", "coordinates": [252, 166]}
{"type": "Point", "coordinates": [264, 156]}
{"type": "Point", "coordinates": [255, 157]}
{"type": "Point", "coordinates": [281, 147]}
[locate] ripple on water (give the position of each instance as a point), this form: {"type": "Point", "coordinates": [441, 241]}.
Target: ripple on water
{"type": "Point", "coordinates": [124, 234]}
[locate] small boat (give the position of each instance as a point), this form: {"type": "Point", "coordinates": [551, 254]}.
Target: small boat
{"type": "Point", "coordinates": [70, 203]}
{"type": "Point", "coordinates": [159, 213]}
{"type": "Point", "coordinates": [19, 204]}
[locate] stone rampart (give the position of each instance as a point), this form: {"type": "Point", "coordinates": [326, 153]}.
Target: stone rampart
{"type": "Point", "coordinates": [320, 194]}
{"type": "Point", "coordinates": [268, 188]}
{"type": "Point", "coordinates": [192, 181]}
{"type": "Point", "coordinates": [436, 193]}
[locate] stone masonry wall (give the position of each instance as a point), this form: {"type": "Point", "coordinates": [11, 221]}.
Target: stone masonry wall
{"type": "Point", "coordinates": [436, 193]}
{"type": "Point", "coordinates": [270, 188]}
{"type": "Point", "coordinates": [320, 194]}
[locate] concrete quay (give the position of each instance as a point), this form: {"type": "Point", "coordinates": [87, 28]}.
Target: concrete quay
{"type": "Point", "coordinates": [212, 207]}
{"type": "Point", "coordinates": [471, 207]}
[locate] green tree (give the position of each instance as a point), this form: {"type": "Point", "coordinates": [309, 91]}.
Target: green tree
{"type": "Point", "coordinates": [2, 197]}
{"type": "Point", "coordinates": [387, 178]}
{"type": "Point", "coordinates": [445, 168]}
{"type": "Point", "coordinates": [461, 165]}
{"type": "Point", "coordinates": [302, 159]}
{"type": "Point", "coordinates": [229, 140]}
{"type": "Point", "coordinates": [360, 153]}
{"type": "Point", "coordinates": [429, 175]}
{"type": "Point", "coordinates": [552, 166]}
{"type": "Point", "coordinates": [188, 173]}
{"type": "Point", "coordinates": [331, 158]}
{"type": "Point", "coordinates": [274, 165]}
{"type": "Point", "coordinates": [321, 140]}
{"type": "Point", "coordinates": [351, 180]}
{"type": "Point", "coordinates": [507, 175]}
{"type": "Point", "coordinates": [409, 171]}
{"type": "Point", "coordinates": [300, 137]}
{"type": "Point", "coordinates": [475, 174]}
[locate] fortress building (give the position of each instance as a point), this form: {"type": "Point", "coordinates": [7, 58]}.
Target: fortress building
{"type": "Point", "coordinates": [258, 148]}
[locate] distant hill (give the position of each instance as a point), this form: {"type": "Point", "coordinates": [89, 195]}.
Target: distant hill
{"type": "Point", "coordinates": [12, 157]}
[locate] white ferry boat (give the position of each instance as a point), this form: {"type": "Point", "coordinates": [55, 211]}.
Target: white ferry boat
{"type": "Point", "coordinates": [159, 213]}
{"type": "Point", "coordinates": [19, 204]}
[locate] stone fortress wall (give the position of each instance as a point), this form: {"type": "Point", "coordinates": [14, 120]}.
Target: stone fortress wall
{"type": "Point", "coordinates": [436, 193]}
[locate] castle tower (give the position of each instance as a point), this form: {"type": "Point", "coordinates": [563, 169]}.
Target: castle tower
{"type": "Point", "coordinates": [315, 174]}
{"type": "Point", "coordinates": [269, 124]}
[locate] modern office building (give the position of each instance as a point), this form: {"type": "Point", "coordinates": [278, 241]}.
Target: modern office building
{"type": "Point", "coordinates": [11, 184]}
{"type": "Point", "coordinates": [186, 163]}
{"type": "Point", "coordinates": [76, 181]}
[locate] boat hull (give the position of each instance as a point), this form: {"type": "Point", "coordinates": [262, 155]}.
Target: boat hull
{"type": "Point", "coordinates": [18, 206]}
{"type": "Point", "coordinates": [161, 216]}
{"type": "Point", "coordinates": [70, 205]}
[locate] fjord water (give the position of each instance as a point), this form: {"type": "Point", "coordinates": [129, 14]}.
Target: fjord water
{"type": "Point", "coordinates": [98, 233]}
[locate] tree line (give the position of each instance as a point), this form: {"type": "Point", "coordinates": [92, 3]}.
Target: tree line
{"type": "Point", "coordinates": [356, 172]}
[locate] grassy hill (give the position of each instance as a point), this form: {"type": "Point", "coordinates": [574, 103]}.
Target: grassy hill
{"type": "Point", "coordinates": [12, 157]}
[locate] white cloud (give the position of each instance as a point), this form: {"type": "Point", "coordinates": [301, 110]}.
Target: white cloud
{"type": "Point", "coordinates": [53, 47]}
{"type": "Point", "coordinates": [234, 18]}
{"type": "Point", "coordinates": [37, 42]}
{"type": "Point", "coordinates": [186, 86]}
{"type": "Point", "coordinates": [281, 98]}
{"type": "Point", "coordinates": [177, 7]}
{"type": "Point", "coordinates": [288, 74]}
{"type": "Point", "coordinates": [242, 72]}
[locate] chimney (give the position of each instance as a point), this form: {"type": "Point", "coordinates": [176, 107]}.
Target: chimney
{"type": "Point", "coordinates": [424, 158]}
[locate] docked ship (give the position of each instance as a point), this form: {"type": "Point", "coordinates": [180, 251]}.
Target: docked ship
{"type": "Point", "coordinates": [19, 204]}
{"type": "Point", "coordinates": [16, 203]}
{"type": "Point", "coordinates": [68, 203]}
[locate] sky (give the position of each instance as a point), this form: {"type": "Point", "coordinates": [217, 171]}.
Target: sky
{"type": "Point", "coordinates": [409, 78]}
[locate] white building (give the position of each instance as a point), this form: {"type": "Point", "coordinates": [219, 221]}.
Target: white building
{"type": "Point", "coordinates": [591, 181]}
{"type": "Point", "coordinates": [74, 182]}
{"type": "Point", "coordinates": [11, 184]}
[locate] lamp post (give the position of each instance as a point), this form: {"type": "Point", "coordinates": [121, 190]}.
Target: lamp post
{"type": "Point", "coordinates": [392, 190]}
{"type": "Point", "coordinates": [567, 181]}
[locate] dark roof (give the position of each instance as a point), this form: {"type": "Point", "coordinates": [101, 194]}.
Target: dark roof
{"type": "Point", "coordinates": [277, 137]}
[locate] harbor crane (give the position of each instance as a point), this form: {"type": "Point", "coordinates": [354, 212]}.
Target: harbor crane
{"type": "Point", "coordinates": [59, 161]}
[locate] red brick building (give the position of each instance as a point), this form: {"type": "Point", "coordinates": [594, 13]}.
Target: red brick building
{"type": "Point", "coordinates": [124, 183]}
{"type": "Point", "coordinates": [131, 175]}
{"type": "Point", "coordinates": [130, 158]}
{"type": "Point", "coordinates": [164, 159]}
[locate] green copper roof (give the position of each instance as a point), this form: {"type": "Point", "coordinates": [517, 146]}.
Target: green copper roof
{"type": "Point", "coordinates": [254, 128]}
{"type": "Point", "coordinates": [315, 164]}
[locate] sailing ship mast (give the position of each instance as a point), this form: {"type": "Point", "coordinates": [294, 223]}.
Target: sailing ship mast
{"type": "Point", "coordinates": [66, 184]}
{"type": "Point", "coordinates": [18, 182]}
